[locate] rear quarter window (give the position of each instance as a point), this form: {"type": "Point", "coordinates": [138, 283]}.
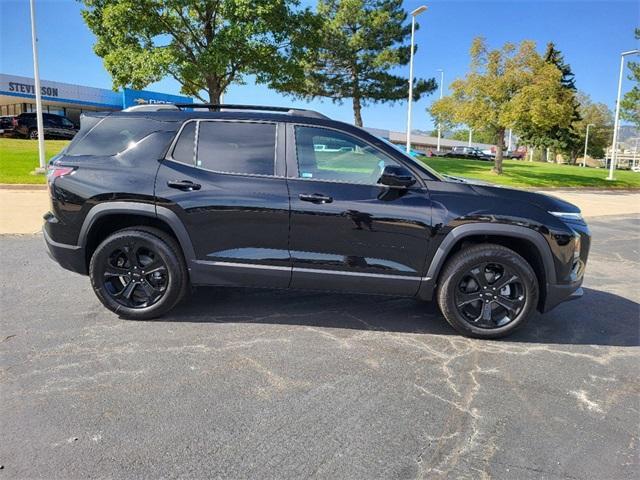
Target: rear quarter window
{"type": "Point", "coordinates": [113, 135]}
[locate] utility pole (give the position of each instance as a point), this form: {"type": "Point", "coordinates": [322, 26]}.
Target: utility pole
{"type": "Point", "coordinates": [616, 124]}
{"type": "Point", "coordinates": [36, 75]}
{"type": "Point", "coordinates": [414, 14]}
{"type": "Point", "coordinates": [441, 93]}
{"type": "Point", "coordinates": [586, 144]}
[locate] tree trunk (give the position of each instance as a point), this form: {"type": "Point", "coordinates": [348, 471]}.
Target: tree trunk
{"type": "Point", "coordinates": [497, 165]}
{"type": "Point", "coordinates": [357, 117]}
{"type": "Point", "coordinates": [214, 90]}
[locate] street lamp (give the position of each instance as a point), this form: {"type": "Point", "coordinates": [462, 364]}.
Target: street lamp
{"type": "Point", "coordinates": [586, 143]}
{"type": "Point", "coordinates": [414, 14]}
{"type": "Point", "coordinates": [470, 136]}
{"type": "Point", "coordinates": [441, 89]}
{"type": "Point", "coordinates": [614, 154]}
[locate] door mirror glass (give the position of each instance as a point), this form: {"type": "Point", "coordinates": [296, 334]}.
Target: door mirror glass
{"type": "Point", "coordinates": [396, 176]}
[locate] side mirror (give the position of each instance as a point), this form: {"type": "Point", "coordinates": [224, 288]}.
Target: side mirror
{"type": "Point", "coordinates": [396, 176]}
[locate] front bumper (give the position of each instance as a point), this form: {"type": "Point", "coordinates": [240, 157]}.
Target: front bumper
{"type": "Point", "coordinates": [71, 257]}
{"type": "Point", "coordinates": [557, 294]}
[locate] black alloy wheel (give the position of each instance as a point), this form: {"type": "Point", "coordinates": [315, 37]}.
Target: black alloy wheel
{"type": "Point", "coordinates": [487, 291]}
{"type": "Point", "coordinates": [139, 273]}
{"type": "Point", "coordinates": [135, 275]}
{"type": "Point", "coordinates": [490, 295]}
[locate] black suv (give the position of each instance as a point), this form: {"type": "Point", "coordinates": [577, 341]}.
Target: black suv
{"type": "Point", "coordinates": [55, 126]}
{"type": "Point", "coordinates": [148, 203]}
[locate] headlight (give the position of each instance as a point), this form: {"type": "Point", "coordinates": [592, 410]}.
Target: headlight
{"type": "Point", "coordinates": [569, 216]}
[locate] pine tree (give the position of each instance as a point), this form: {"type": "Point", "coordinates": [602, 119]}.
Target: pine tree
{"type": "Point", "coordinates": [361, 41]}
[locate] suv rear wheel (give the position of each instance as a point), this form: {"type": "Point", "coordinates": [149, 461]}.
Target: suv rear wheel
{"type": "Point", "coordinates": [139, 273]}
{"type": "Point", "coordinates": [487, 291]}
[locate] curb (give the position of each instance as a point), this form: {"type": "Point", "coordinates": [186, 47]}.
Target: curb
{"type": "Point", "coordinates": [22, 186]}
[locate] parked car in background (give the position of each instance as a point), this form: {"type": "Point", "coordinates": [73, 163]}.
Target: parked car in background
{"type": "Point", "coordinates": [518, 154]}
{"type": "Point", "coordinates": [55, 126]}
{"type": "Point", "coordinates": [6, 125]}
{"type": "Point", "coordinates": [471, 153]}
{"type": "Point", "coordinates": [149, 203]}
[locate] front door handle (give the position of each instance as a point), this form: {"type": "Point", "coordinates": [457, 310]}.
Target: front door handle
{"type": "Point", "coordinates": [184, 185]}
{"type": "Point", "coordinates": [315, 198]}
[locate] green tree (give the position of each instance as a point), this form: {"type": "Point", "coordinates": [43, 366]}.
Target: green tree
{"type": "Point", "coordinates": [601, 119]}
{"type": "Point", "coordinates": [511, 87]}
{"type": "Point", "coordinates": [205, 45]}
{"type": "Point", "coordinates": [630, 103]}
{"type": "Point", "coordinates": [567, 139]}
{"type": "Point", "coordinates": [480, 136]}
{"type": "Point", "coordinates": [361, 41]}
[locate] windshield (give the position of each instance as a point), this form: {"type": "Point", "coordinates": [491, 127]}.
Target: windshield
{"type": "Point", "coordinates": [414, 160]}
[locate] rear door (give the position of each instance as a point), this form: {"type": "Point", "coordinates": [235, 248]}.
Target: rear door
{"type": "Point", "coordinates": [225, 182]}
{"type": "Point", "coordinates": [347, 231]}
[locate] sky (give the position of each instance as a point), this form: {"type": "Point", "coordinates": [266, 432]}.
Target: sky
{"type": "Point", "coordinates": [590, 34]}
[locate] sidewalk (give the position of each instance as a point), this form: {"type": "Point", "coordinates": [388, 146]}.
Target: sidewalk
{"type": "Point", "coordinates": [22, 207]}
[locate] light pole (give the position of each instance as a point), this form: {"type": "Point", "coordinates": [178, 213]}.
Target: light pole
{"type": "Point", "coordinates": [441, 90]}
{"type": "Point", "coordinates": [470, 136]}
{"type": "Point", "coordinates": [414, 14]}
{"type": "Point", "coordinates": [616, 123]}
{"type": "Point", "coordinates": [509, 143]}
{"type": "Point", "coordinates": [36, 75]}
{"type": "Point", "coordinates": [586, 144]}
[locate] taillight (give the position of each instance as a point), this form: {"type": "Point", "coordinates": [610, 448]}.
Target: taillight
{"type": "Point", "coordinates": [56, 171]}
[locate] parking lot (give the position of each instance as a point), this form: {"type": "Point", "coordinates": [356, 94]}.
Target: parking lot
{"type": "Point", "coordinates": [270, 384]}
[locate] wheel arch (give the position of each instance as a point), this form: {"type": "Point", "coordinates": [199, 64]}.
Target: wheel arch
{"type": "Point", "coordinates": [106, 218]}
{"type": "Point", "coordinates": [528, 243]}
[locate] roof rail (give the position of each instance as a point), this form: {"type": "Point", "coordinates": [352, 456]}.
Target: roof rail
{"type": "Point", "coordinates": [217, 107]}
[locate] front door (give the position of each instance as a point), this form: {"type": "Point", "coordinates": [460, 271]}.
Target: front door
{"type": "Point", "coordinates": [347, 231]}
{"type": "Point", "coordinates": [223, 181]}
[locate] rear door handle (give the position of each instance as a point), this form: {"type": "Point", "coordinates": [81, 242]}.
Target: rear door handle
{"type": "Point", "coordinates": [184, 185]}
{"type": "Point", "coordinates": [315, 198]}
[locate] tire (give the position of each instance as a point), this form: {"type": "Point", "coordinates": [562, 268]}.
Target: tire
{"type": "Point", "coordinates": [33, 134]}
{"type": "Point", "coordinates": [139, 273]}
{"type": "Point", "coordinates": [487, 291]}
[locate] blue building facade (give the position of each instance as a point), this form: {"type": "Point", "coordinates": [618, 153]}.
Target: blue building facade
{"type": "Point", "coordinates": [17, 95]}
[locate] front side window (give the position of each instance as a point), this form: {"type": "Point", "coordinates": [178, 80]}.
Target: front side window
{"type": "Point", "coordinates": [237, 147]}
{"type": "Point", "coordinates": [334, 156]}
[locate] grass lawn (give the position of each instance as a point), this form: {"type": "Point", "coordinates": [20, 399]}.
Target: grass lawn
{"type": "Point", "coordinates": [18, 158]}
{"type": "Point", "coordinates": [519, 173]}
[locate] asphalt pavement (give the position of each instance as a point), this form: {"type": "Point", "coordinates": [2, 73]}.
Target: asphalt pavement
{"type": "Point", "coordinates": [269, 384]}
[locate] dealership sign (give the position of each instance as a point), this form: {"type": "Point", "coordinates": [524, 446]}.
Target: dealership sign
{"type": "Point", "coordinates": [66, 93]}
{"type": "Point", "coordinates": [142, 97]}
{"type": "Point", "coordinates": [29, 88]}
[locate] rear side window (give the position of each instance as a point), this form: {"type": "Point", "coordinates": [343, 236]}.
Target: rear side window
{"type": "Point", "coordinates": [185, 149]}
{"type": "Point", "coordinates": [114, 135]}
{"type": "Point", "coordinates": [237, 147]}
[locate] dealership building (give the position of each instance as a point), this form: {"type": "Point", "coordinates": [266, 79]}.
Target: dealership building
{"type": "Point", "coordinates": [17, 95]}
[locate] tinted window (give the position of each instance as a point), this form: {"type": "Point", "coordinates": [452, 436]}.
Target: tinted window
{"type": "Point", "coordinates": [237, 147]}
{"type": "Point", "coordinates": [329, 155]}
{"type": "Point", "coordinates": [114, 135]}
{"type": "Point", "coordinates": [184, 151]}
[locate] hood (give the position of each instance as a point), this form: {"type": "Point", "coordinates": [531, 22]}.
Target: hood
{"type": "Point", "coordinates": [548, 203]}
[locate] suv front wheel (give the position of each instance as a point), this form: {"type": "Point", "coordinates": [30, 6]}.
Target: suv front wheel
{"type": "Point", "coordinates": [487, 291]}
{"type": "Point", "coordinates": [139, 273]}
